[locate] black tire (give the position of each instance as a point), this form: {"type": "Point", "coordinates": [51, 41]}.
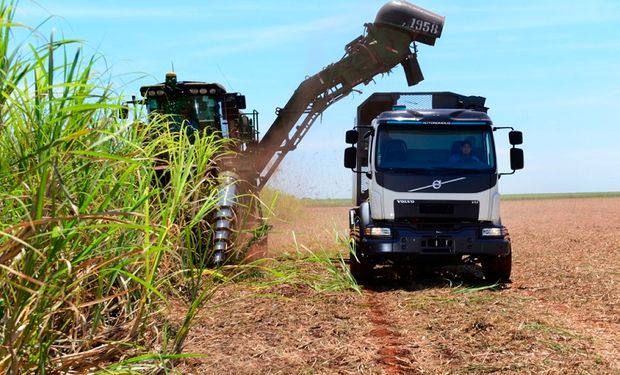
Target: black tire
{"type": "Point", "coordinates": [497, 268]}
{"type": "Point", "coordinates": [361, 269]}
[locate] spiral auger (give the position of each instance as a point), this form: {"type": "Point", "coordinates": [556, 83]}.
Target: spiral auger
{"type": "Point", "coordinates": [225, 216]}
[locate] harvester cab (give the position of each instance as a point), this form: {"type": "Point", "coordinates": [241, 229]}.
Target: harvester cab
{"type": "Point", "coordinates": [201, 107]}
{"type": "Point", "coordinates": [207, 109]}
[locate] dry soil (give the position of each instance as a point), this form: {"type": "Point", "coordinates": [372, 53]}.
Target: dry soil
{"type": "Point", "coordinates": [560, 314]}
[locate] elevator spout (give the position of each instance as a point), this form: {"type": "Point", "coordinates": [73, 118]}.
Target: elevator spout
{"type": "Point", "coordinates": [386, 43]}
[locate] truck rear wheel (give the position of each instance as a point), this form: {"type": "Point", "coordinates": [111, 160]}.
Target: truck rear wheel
{"type": "Point", "coordinates": [497, 268]}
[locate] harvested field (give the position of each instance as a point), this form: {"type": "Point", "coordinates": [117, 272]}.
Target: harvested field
{"type": "Point", "coordinates": [560, 315]}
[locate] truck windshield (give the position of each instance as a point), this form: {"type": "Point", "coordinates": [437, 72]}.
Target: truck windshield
{"type": "Point", "coordinates": [435, 149]}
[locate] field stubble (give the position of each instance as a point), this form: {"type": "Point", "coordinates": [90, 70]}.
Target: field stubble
{"type": "Point", "coordinates": [560, 315]}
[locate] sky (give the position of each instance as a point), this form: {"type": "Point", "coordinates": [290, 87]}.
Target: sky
{"type": "Point", "coordinates": [550, 68]}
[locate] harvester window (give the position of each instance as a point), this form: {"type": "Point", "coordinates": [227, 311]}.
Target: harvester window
{"type": "Point", "coordinates": [201, 112]}
{"type": "Point", "coordinates": [153, 105]}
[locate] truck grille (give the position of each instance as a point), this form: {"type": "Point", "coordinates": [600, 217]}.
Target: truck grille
{"type": "Point", "coordinates": [446, 210]}
{"type": "Point", "coordinates": [437, 208]}
{"type": "Point", "coordinates": [437, 245]}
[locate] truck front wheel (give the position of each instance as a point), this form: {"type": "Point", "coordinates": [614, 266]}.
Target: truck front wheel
{"type": "Point", "coordinates": [361, 269]}
{"type": "Point", "coordinates": [497, 268]}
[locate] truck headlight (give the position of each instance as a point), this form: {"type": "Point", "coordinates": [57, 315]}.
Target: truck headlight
{"type": "Point", "coordinates": [492, 232]}
{"type": "Point", "coordinates": [377, 232]}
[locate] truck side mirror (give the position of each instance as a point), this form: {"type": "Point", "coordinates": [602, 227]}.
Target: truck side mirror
{"type": "Point", "coordinates": [516, 158]}
{"type": "Point", "coordinates": [515, 137]}
{"type": "Point", "coordinates": [350, 157]}
{"type": "Point", "coordinates": [351, 136]}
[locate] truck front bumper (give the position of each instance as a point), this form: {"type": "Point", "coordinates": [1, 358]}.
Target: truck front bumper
{"type": "Point", "coordinates": [410, 241]}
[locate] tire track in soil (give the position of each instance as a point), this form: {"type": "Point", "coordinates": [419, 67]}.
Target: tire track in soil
{"type": "Point", "coordinates": [392, 355]}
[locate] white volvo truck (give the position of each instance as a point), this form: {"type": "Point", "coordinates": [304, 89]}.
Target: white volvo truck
{"type": "Point", "coordinates": [425, 183]}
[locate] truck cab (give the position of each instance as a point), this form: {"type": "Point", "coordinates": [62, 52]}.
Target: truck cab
{"type": "Point", "coordinates": [425, 184]}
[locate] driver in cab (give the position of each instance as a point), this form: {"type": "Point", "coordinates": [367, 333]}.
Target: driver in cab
{"type": "Point", "coordinates": [465, 155]}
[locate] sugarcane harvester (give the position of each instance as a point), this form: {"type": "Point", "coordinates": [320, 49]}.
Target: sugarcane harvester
{"type": "Point", "coordinates": [388, 41]}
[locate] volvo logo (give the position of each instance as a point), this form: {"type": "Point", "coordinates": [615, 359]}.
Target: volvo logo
{"type": "Point", "coordinates": [437, 184]}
